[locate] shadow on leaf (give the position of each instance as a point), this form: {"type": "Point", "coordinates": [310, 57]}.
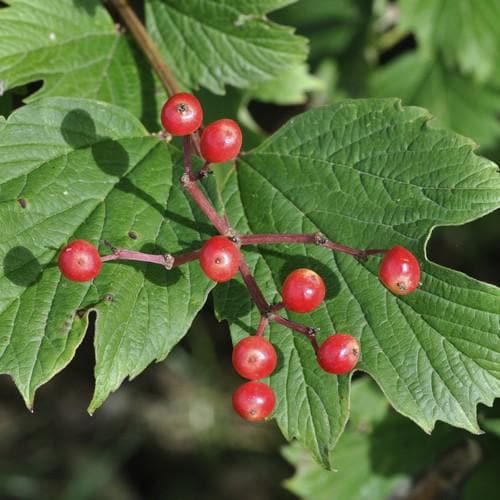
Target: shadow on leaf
{"type": "Point", "coordinates": [21, 267]}
{"type": "Point", "coordinates": [78, 130]}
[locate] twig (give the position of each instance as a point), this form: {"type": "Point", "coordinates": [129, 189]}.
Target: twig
{"type": "Point", "coordinates": [141, 36]}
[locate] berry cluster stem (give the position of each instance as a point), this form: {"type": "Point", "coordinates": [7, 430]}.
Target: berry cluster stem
{"type": "Point", "coordinates": [308, 331]}
{"type": "Point", "coordinates": [189, 182]}
{"type": "Point", "coordinates": [267, 311]}
{"type": "Point", "coordinates": [264, 321]}
{"type": "Point", "coordinates": [253, 288]}
{"type": "Point", "coordinates": [167, 260]}
{"type": "Point", "coordinates": [311, 238]}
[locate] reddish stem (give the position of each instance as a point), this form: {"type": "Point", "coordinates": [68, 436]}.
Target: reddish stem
{"type": "Point", "coordinates": [311, 238]}
{"type": "Point", "coordinates": [253, 288]}
{"type": "Point", "coordinates": [309, 332]}
{"type": "Point", "coordinates": [221, 224]}
{"type": "Point", "coordinates": [167, 260]}
{"type": "Point", "coordinates": [189, 183]}
{"type": "Point", "coordinates": [267, 311]}
{"type": "Point", "coordinates": [264, 321]}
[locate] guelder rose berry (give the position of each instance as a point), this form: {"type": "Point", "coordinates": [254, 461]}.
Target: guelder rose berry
{"type": "Point", "coordinates": [80, 261]}
{"type": "Point", "coordinates": [220, 258]}
{"type": "Point", "coordinates": [221, 141]}
{"type": "Point", "coordinates": [254, 357]}
{"type": "Point", "coordinates": [182, 114]}
{"type": "Point", "coordinates": [399, 271]}
{"type": "Point", "coordinates": [254, 401]}
{"type": "Point", "coordinates": [339, 353]}
{"type": "Point", "coordinates": [303, 290]}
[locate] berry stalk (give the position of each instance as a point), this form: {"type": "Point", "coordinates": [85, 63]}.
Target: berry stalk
{"type": "Point", "coordinates": [311, 238]}
{"type": "Point", "coordinates": [166, 260]}
{"type": "Point", "coordinates": [308, 331]}
{"type": "Point", "coordinates": [264, 321]}
{"type": "Point", "coordinates": [188, 181]}
{"type": "Point", "coordinates": [254, 289]}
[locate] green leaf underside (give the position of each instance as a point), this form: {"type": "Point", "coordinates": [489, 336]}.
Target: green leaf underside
{"type": "Point", "coordinates": [218, 43]}
{"type": "Point", "coordinates": [88, 170]}
{"type": "Point", "coordinates": [74, 47]}
{"type": "Point", "coordinates": [456, 100]}
{"type": "Point", "coordinates": [370, 174]}
{"type": "Point", "coordinates": [465, 31]}
{"type": "Point", "coordinates": [289, 88]}
{"type": "Point", "coordinates": [370, 462]}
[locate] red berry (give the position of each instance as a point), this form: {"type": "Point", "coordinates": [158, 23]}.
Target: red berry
{"type": "Point", "coordinates": [220, 258]}
{"type": "Point", "coordinates": [303, 291]}
{"type": "Point", "coordinates": [399, 271]}
{"type": "Point", "coordinates": [221, 141]}
{"type": "Point", "coordinates": [339, 353]}
{"type": "Point", "coordinates": [80, 261]}
{"type": "Point", "coordinates": [182, 114]}
{"type": "Point", "coordinates": [254, 400]}
{"type": "Point", "coordinates": [254, 357]}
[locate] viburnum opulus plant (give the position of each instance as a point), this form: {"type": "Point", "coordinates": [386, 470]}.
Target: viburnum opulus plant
{"type": "Point", "coordinates": [312, 242]}
{"type": "Point", "coordinates": [220, 259]}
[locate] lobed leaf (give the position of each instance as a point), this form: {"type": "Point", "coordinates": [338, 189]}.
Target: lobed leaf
{"type": "Point", "coordinates": [216, 43]}
{"type": "Point", "coordinates": [73, 168]}
{"type": "Point", "coordinates": [370, 174]}
{"type": "Point", "coordinates": [289, 88]}
{"type": "Point", "coordinates": [75, 48]}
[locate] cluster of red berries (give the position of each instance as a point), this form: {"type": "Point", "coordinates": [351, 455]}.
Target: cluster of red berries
{"type": "Point", "coordinates": [254, 357]}
{"type": "Point", "coordinates": [303, 290]}
{"type": "Point", "coordinates": [220, 140]}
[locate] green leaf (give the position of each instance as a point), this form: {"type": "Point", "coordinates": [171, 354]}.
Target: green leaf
{"type": "Point", "coordinates": [458, 102]}
{"type": "Point", "coordinates": [370, 174]}
{"type": "Point", "coordinates": [311, 405]}
{"type": "Point", "coordinates": [291, 87]}
{"type": "Point", "coordinates": [75, 48]}
{"type": "Point", "coordinates": [72, 168]}
{"type": "Point", "coordinates": [216, 43]}
{"type": "Point", "coordinates": [369, 461]}
{"type": "Point", "coordinates": [466, 31]}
